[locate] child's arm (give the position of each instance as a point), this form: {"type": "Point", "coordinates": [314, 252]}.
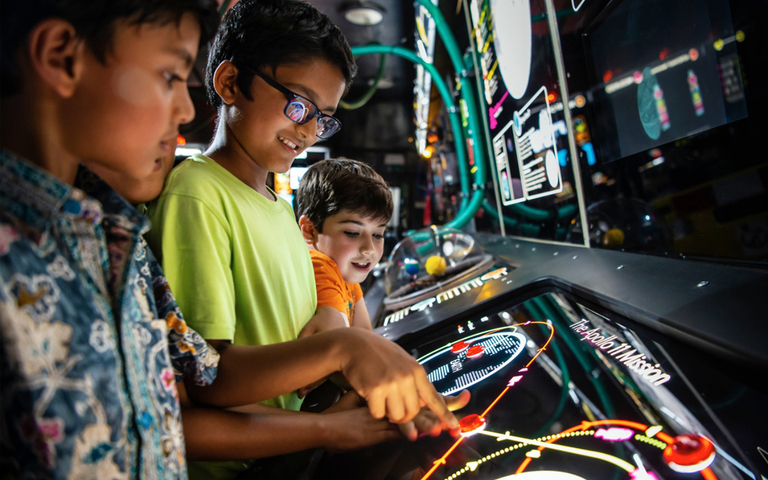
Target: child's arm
{"type": "Point", "coordinates": [256, 431]}
{"type": "Point", "coordinates": [391, 381]}
{"type": "Point", "coordinates": [361, 318]}
{"type": "Point", "coordinates": [212, 434]}
{"type": "Point", "coordinates": [325, 318]}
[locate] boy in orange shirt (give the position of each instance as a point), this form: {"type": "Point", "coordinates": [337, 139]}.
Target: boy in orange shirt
{"type": "Point", "coordinates": [344, 207]}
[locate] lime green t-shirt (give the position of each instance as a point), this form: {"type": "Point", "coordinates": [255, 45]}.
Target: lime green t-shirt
{"type": "Point", "coordinates": [236, 262]}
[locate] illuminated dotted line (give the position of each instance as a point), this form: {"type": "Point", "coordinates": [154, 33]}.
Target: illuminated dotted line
{"type": "Point", "coordinates": [515, 447]}
{"type": "Point", "coordinates": [651, 441]}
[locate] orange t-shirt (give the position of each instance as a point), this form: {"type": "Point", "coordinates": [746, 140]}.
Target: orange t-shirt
{"type": "Point", "coordinates": [332, 290]}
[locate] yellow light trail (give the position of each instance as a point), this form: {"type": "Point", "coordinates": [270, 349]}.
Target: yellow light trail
{"type": "Point", "coordinates": [624, 465]}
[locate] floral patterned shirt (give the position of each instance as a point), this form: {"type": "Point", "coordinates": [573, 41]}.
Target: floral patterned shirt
{"type": "Point", "coordinates": [91, 340]}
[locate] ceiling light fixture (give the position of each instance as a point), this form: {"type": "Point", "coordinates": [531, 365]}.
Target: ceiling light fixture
{"type": "Point", "coordinates": [363, 13]}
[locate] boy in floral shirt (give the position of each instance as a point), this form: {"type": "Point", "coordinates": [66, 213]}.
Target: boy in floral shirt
{"type": "Point", "coordinates": [88, 384]}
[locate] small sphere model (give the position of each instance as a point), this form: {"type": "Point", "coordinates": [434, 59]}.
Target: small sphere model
{"type": "Point", "coordinates": [436, 265]}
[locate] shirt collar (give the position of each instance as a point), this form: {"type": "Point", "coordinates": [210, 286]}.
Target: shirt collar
{"type": "Point", "coordinates": [116, 208]}
{"type": "Point", "coordinates": [36, 198]}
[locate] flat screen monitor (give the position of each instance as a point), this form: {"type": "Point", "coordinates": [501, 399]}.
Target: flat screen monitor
{"type": "Point", "coordinates": [662, 71]}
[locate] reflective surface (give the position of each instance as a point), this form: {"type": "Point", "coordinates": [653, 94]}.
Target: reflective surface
{"type": "Point", "coordinates": [565, 390]}
{"type": "Point", "coordinates": [667, 115]}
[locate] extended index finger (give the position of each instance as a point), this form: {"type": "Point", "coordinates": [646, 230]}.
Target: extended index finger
{"type": "Point", "coordinates": [435, 402]}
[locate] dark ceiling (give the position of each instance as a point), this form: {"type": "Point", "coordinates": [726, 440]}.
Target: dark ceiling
{"type": "Point", "coordinates": [395, 29]}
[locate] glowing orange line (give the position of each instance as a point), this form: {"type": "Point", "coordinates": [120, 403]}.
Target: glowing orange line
{"type": "Point", "coordinates": [522, 466]}
{"type": "Point", "coordinates": [493, 403]}
{"type": "Point", "coordinates": [441, 460]}
{"type": "Point", "coordinates": [551, 334]}
{"type": "Point", "coordinates": [708, 474]}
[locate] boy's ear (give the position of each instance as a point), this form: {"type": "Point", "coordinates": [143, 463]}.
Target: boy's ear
{"type": "Point", "coordinates": [225, 82]}
{"type": "Point", "coordinates": [55, 54]}
{"type": "Point", "coordinates": [308, 230]}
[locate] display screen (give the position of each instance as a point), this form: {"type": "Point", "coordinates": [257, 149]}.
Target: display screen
{"type": "Point", "coordinates": [665, 76]}
{"type": "Point", "coordinates": [565, 391]}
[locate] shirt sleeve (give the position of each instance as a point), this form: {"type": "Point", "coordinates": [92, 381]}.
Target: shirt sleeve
{"type": "Point", "coordinates": [196, 254]}
{"type": "Point", "coordinates": [330, 285]}
{"type": "Point", "coordinates": [190, 354]}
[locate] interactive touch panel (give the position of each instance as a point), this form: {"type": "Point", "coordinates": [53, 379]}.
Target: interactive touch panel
{"type": "Point", "coordinates": [562, 391]}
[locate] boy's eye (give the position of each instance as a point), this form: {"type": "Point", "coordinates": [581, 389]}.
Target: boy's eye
{"type": "Point", "coordinates": [378, 236]}
{"type": "Point", "coordinates": [351, 234]}
{"type": "Point", "coordinates": [171, 78]}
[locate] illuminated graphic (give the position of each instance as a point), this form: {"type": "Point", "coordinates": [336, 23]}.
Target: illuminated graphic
{"type": "Point", "coordinates": [471, 425]}
{"type": "Point", "coordinates": [693, 457]}
{"type": "Point", "coordinates": [693, 86]}
{"type": "Point", "coordinates": [425, 46]}
{"type": "Point", "coordinates": [624, 353]}
{"type": "Point", "coordinates": [476, 359]}
{"type": "Point", "coordinates": [689, 453]}
{"type": "Point", "coordinates": [575, 6]}
{"type": "Point", "coordinates": [661, 107]}
{"type": "Point", "coordinates": [483, 37]}
{"type": "Point", "coordinates": [533, 141]}
{"type": "Point", "coordinates": [512, 40]}
{"type": "Point", "coordinates": [499, 340]}
{"type": "Point", "coordinates": [445, 295]}
{"type": "Point", "coordinates": [651, 105]}
{"type": "Point", "coordinates": [472, 359]}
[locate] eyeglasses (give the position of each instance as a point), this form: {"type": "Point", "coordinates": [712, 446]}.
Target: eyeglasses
{"type": "Point", "coordinates": [302, 110]}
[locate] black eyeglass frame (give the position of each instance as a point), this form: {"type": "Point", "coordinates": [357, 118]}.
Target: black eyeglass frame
{"type": "Point", "coordinates": [291, 96]}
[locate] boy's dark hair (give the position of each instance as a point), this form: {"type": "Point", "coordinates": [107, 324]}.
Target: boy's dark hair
{"type": "Point", "coordinates": [336, 184]}
{"type": "Point", "coordinates": [94, 21]}
{"type": "Point", "coordinates": [260, 34]}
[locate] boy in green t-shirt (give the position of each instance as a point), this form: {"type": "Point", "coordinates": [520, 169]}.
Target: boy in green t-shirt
{"type": "Point", "coordinates": [230, 247]}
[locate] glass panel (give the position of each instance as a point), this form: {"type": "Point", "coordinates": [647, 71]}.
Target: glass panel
{"type": "Point", "coordinates": [563, 390]}
{"type": "Point", "coordinates": [672, 125]}
{"type": "Point", "coordinates": [526, 133]}
{"type": "Point", "coordinates": [667, 119]}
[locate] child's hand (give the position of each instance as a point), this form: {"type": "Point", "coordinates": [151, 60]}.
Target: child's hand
{"type": "Point", "coordinates": [325, 318]}
{"type": "Point", "coordinates": [391, 381]}
{"type": "Point", "coordinates": [427, 423]}
{"type": "Point", "coordinates": [346, 430]}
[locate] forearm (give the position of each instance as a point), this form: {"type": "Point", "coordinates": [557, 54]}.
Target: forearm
{"type": "Point", "coordinates": [212, 434]}
{"type": "Point", "coordinates": [252, 374]}
{"type": "Point", "coordinates": [361, 319]}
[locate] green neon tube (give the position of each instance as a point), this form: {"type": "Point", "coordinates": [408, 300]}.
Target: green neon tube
{"type": "Point", "coordinates": [445, 93]}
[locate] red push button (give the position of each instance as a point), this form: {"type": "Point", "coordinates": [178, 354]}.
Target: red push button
{"type": "Point", "coordinates": [471, 424]}
{"type": "Point", "coordinates": [689, 453]}
{"type": "Point", "coordinates": [475, 351]}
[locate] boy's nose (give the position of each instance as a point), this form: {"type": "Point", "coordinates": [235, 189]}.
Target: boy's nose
{"type": "Point", "coordinates": [185, 109]}
{"type": "Point", "coordinates": [367, 246]}
{"type": "Point", "coordinates": [308, 130]}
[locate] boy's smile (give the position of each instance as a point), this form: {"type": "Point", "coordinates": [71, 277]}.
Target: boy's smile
{"type": "Point", "coordinates": [353, 241]}
{"type": "Point", "coordinates": [126, 112]}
